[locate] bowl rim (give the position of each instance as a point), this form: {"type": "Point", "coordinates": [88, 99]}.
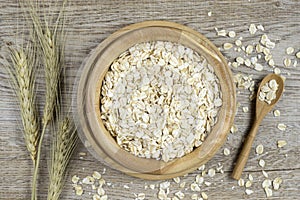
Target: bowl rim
{"type": "Point", "coordinates": [87, 106]}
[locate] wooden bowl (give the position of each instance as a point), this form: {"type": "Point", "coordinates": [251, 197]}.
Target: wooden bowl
{"type": "Point", "coordinates": [87, 111]}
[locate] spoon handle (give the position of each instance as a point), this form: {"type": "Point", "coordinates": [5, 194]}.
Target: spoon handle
{"type": "Point", "coordinates": [244, 154]}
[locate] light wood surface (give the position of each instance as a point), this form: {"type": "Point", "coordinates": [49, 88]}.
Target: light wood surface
{"type": "Point", "coordinates": [261, 110]}
{"type": "Point", "coordinates": [90, 22]}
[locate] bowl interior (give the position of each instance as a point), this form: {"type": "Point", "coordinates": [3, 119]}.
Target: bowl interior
{"type": "Point", "coordinates": [88, 100]}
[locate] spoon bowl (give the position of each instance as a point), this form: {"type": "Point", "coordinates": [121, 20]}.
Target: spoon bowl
{"type": "Point", "coordinates": [262, 109]}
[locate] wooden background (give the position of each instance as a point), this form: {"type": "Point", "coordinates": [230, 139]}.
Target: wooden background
{"type": "Point", "coordinates": [90, 22]}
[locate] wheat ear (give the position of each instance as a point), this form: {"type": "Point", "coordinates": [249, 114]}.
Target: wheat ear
{"type": "Point", "coordinates": [51, 45]}
{"type": "Point", "coordinates": [21, 69]}
{"type": "Point", "coordinates": [64, 143]}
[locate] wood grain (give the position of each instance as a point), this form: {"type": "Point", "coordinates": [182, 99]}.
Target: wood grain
{"type": "Point", "coordinates": [90, 22]}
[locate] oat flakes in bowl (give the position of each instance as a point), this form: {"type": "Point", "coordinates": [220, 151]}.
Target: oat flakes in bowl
{"type": "Point", "coordinates": [155, 100]}
{"type": "Point", "coordinates": [160, 100]}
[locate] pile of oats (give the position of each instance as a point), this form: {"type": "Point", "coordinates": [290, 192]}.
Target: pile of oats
{"type": "Point", "coordinates": [160, 100]}
{"type": "Point", "coordinates": [95, 181]}
{"type": "Point", "coordinates": [268, 91]}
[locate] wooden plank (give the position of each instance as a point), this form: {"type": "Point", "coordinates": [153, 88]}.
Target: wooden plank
{"type": "Point", "coordinates": [90, 22]}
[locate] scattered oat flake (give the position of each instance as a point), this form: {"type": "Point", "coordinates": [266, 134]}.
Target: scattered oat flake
{"type": "Point", "coordinates": [152, 186]}
{"type": "Point", "coordinates": [268, 192]}
{"type": "Point", "coordinates": [263, 39]}
{"type": "Point", "coordinates": [249, 49]}
{"type": "Point", "coordinates": [176, 180]}
{"type": "Point", "coordinates": [221, 33]}
{"type": "Point", "coordinates": [289, 50]}
{"type": "Point", "coordinates": [260, 27]}
{"type": "Point", "coordinates": [240, 60]}
{"type": "Point", "coordinates": [182, 184]}
{"type": "Point", "coordinates": [266, 183]}
{"type": "Point", "coordinates": [207, 183]}
{"type": "Point", "coordinates": [194, 197]}
{"type": "Point", "coordinates": [162, 194]}
{"type": "Point", "coordinates": [262, 163]}
{"type": "Point", "coordinates": [281, 143]}
{"type": "Point", "coordinates": [276, 183]}
{"type": "Point", "coordinates": [258, 67]}
{"type": "Point", "coordinates": [96, 197]}
{"type": "Point", "coordinates": [248, 191]}
{"type": "Point", "coordinates": [88, 180]}
{"type": "Point", "coordinates": [82, 154]}
{"type": "Point", "coordinates": [298, 54]}
{"type": "Point", "coordinates": [100, 191]}
{"type": "Point", "coordinates": [141, 196]}
{"type": "Point", "coordinates": [227, 46]}
{"type": "Point", "coordinates": [211, 172]}
{"type": "Point", "coordinates": [241, 182]}
{"type": "Point", "coordinates": [238, 43]}
{"type": "Point", "coordinates": [233, 129]}
{"type": "Point", "coordinates": [204, 195]}
{"type": "Point", "coordinates": [209, 13]}
{"type": "Point", "coordinates": [248, 184]}
{"type": "Point", "coordinates": [270, 44]}
{"type": "Point", "coordinates": [96, 175]}
{"type": "Point", "coordinates": [266, 51]}
{"type": "Point", "coordinates": [281, 126]}
{"type": "Point", "coordinates": [179, 194]}
{"type": "Point", "coordinates": [295, 63]}
{"type": "Point", "coordinates": [101, 182]}
{"type": "Point", "coordinates": [78, 190]}
{"type": "Point", "coordinates": [195, 187]}
{"type": "Point", "coordinates": [271, 62]}
{"type": "Point", "coordinates": [245, 109]}
{"type": "Point", "coordinates": [164, 185]}
{"type": "Point", "coordinates": [259, 48]}
{"type": "Point", "coordinates": [231, 34]}
{"type": "Point", "coordinates": [243, 48]}
{"type": "Point", "coordinates": [175, 198]}
{"type": "Point", "coordinates": [287, 62]}
{"type": "Point", "coordinates": [277, 70]}
{"type": "Point", "coordinates": [201, 168]}
{"type": "Point", "coordinates": [268, 57]}
{"type": "Point", "coordinates": [259, 149]}
{"type": "Point", "coordinates": [199, 179]}
{"type": "Point", "coordinates": [247, 62]}
{"type": "Point", "coordinates": [252, 29]}
{"type": "Point", "coordinates": [235, 64]}
{"type": "Point", "coordinates": [250, 177]}
{"type": "Point", "coordinates": [75, 179]}
{"type": "Point", "coordinates": [226, 152]}
{"type": "Point", "coordinates": [265, 174]}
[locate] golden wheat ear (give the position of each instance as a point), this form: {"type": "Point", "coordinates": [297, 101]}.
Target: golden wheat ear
{"type": "Point", "coordinates": [21, 68]}
{"type": "Point", "coordinates": [48, 36]}
{"type": "Point", "coordinates": [64, 142]}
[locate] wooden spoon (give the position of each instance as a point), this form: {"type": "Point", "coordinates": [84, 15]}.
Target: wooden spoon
{"type": "Point", "coordinates": [262, 108]}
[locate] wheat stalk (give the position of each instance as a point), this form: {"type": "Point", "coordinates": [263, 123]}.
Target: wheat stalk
{"type": "Point", "coordinates": [21, 70]}
{"type": "Point", "coordinates": [64, 142]}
